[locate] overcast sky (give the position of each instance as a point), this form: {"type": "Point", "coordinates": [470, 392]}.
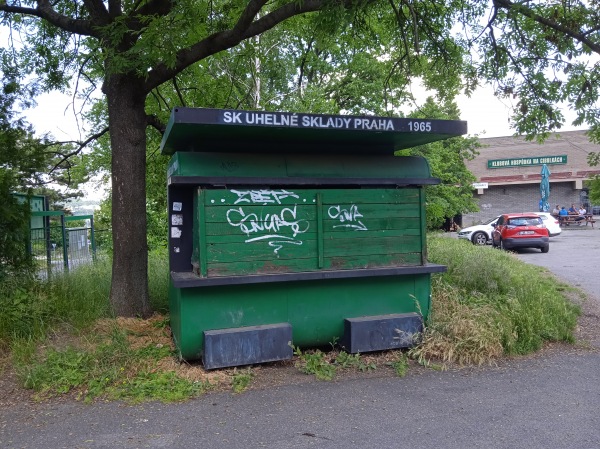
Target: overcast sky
{"type": "Point", "coordinates": [486, 115]}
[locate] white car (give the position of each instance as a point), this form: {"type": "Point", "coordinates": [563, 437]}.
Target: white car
{"type": "Point", "coordinates": [479, 234]}
{"type": "Point", "coordinates": [550, 222]}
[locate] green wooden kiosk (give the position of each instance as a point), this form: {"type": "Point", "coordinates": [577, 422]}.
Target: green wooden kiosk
{"type": "Point", "coordinates": [296, 229]}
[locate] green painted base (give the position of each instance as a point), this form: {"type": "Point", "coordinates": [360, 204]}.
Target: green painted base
{"type": "Point", "coordinates": [315, 309]}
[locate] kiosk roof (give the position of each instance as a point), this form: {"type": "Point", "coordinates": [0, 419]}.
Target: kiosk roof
{"type": "Point", "coordinates": [197, 129]}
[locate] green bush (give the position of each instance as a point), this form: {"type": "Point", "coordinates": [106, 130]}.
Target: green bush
{"type": "Point", "coordinates": [24, 310]}
{"type": "Point", "coordinates": [158, 279]}
{"type": "Point", "coordinates": [14, 232]}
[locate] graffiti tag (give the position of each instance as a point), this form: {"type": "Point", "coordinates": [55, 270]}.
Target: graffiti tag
{"type": "Point", "coordinates": [262, 196]}
{"type": "Point", "coordinates": [273, 224]}
{"type": "Point", "coordinates": [349, 218]}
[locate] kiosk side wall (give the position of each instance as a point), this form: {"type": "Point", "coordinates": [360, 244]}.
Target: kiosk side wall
{"type": "Point", "coordinates": [315, 309]}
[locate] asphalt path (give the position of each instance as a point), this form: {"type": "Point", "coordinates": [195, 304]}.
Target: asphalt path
{"type": "Point", "coordinates": [550, 400]}
{"type": "Point", "coordinates": [575, 257]}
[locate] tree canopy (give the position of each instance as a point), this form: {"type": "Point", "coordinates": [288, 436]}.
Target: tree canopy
{"type": "Point", "coordinates": [348, 56]}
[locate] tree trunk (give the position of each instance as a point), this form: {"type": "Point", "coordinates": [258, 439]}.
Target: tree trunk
{"type": "Point", "coordinates": [127, 121]}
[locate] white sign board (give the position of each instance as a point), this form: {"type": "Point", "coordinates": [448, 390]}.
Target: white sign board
{"type": "Point", "coordinates": [480, 185]}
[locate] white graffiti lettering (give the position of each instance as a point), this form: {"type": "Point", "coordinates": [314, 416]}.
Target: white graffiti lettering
{"type": "Point", "coordinates": [348, 217]}
{"type": "Point", "coordinates": [272, 224]}
{"type": "Point", "coordinates": [262, 196]}
{"type": "Point", "coordinates": [276, 241]}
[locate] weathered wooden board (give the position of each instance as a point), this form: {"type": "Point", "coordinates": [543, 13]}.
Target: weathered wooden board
{"type": "Point", "coordinates": [262, 231]}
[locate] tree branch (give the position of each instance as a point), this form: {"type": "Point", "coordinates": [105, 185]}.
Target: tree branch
{"type": "Point", "coordinates": [45, 11]}
{"type": "Point", "coordinates": [224, 40]}
{"type": "Point", "coordinates": [114, 8]}
{"type": "Point", "coordinates": [97, 10]}
{"type": "Point", "coordinates": [151, 8]}
{"type": "Point", "coordinates": [156, 123]}
{"type": "Point", "coordinates": [246, 18]}
{"type": "Point", "coordinates": [527, 12]}
{"type": "Point", "coordinates": [79, 147]}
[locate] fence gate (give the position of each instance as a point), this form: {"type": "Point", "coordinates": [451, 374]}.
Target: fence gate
{"type": "Point", "coordinates": [56, 247]}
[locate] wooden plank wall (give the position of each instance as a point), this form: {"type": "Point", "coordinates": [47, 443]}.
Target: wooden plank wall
{"type": "Point", "coordinates": [262, 231]}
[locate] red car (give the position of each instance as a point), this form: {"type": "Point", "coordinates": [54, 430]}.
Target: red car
{"type": "Point", "coordinates": [520, 231]}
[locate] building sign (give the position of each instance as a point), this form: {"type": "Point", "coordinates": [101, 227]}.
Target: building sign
{"type": "Point", "coordinates": [289, 130]}
{"type": "Point", "coordinates": [297, 120]}
{"type": "Point", "coordinates": [480, 185]}
{"type": "Point", "coordinates": [526, 161]}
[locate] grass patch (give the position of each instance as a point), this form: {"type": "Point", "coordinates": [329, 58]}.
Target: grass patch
{"type": "Point", "coordinates": [62, 339]}
{"type": "Point", "coordinates": [325, 365]}
{"type": "Point", "coordinates": [400, 365]}
{"type": "Point", "coordinates": [490, 303]}
{"type": "Point", "coordinates": [315, 362]}
{"type": "Point", "coordinates": [127, 359]}
{"type": "Point", "coordinates": [30, 309]}
{"type": "Point", "coordinates": [240, 380]}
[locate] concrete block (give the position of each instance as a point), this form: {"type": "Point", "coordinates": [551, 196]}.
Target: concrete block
{"type": "Point", "coordinates": [377, 333]}
{"type": "Point", "coordinates": [247, 345]}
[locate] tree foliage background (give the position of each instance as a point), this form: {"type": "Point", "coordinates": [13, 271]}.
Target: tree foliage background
{"type": "Point", "coordinates": [27, 165]}
{"type": "Point", "coordinates": [332, 56]}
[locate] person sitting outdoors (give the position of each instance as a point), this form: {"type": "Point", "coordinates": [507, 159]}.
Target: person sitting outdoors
{"type": "Point", "coordinates": [562, 215]}
{"type": "Point", "coordinates": [573, 212]}
{"type": "Point", "coordinates": [556, 210]}
{"type": "Point", "coordinates": [582, 213]}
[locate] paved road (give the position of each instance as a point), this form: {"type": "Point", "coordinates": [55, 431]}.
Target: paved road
{"type": "Point", "coordinates": [547, 401]}
{"type": "Point", "coordinates": [575, 258]}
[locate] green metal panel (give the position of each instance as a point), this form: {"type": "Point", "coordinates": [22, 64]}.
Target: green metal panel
{"type": "Point", "coordinates": [264, 231]}
{"type": "Point", "coordinates": [293, 166]}
{"type": "Point", "coordinates": [37, 203]}
{"type": "Point", "coordinates": [50, 213]}
{"type": "Point", "coordinates": [202, 241]}
{"type": "Point", "coordinates": [78, 217]}
{"type": "Point", "coordinates": [315, 309]}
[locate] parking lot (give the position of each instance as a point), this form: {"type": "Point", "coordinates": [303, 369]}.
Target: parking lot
{"type": "Point", "coordinates": [574, 256]}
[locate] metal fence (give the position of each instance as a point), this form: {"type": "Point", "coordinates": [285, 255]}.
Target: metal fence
{"type": "Point", "coordinates": [57, 247]}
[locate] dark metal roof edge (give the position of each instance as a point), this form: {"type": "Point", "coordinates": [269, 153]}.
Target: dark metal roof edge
{"type": "Point", "coordinates": [206, 116]}
{"type": "Point", "coordinates": [188, 280]}
{"type": "Point", "coordinates": [209, 117]}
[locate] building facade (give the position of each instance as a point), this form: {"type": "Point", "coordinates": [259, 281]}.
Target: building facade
{"type": "Point", "coordinates": [508, 171]}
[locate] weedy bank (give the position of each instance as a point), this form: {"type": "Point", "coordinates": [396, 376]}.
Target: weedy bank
{"type": "Point", "coordinates": [59, 337]}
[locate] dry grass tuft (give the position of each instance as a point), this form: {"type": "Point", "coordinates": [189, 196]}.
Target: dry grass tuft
{"type": "Point", "coordinates": [458, 333]}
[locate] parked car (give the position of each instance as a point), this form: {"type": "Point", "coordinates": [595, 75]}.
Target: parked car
{"type": "Point", "coordinates": [521, 231]}
{"type": "Point", "coordinates": [551, 222]}
{"type": "Point", "coordinates": [479, 234]}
